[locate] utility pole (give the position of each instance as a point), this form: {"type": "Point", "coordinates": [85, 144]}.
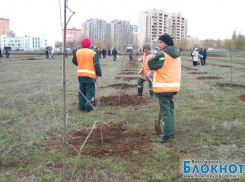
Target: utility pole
{"type": "Point", "coordinates": [64, 95]}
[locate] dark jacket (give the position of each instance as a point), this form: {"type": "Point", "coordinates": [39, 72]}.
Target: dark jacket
{"type": "Point", "coordinates": [158, 60]}
{"type": "Point", "coordinates": [114, 52]}
{"type": "Point", "coordinates": [85, 79]}
{"type": "Point", "coordinates": [205, 53]}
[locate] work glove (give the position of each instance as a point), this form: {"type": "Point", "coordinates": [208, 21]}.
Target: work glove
{"type": "Point", "coordinates": [98, 78]}
{"type": "Point", "coordinates": [149, 73]}
{"type": "Point", "coordinates": [140, 60]}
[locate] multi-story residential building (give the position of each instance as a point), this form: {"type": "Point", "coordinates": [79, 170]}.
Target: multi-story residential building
{"type": "Point", "coordinates": [4, 28]}
{"type": "Point", "coordinates": [179, 26]}
{"type": "Point", "coordinates": [96, 30]}
{"type": "Point", "coordinates": [120, 33]}
{"type": "Point", "coordinates": [73, 35]}
{"type": "Point", "coordinates": [156, 22]}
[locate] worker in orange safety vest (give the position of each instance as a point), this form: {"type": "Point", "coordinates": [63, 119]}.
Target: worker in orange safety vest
{"type": "Point", "coordinates": [88, 70]}
{"type": "Point", "coordinates": [145, 73]}
{"type": "Point", "coordinates": [166, 82]}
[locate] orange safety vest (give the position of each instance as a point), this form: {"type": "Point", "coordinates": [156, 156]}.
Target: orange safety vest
{"type": "Point", "coordinates": [146, 68]}
{"type": "Point", "coordinates": [85, 63]}
{"type": "Point", "coordinates": [168, 77]}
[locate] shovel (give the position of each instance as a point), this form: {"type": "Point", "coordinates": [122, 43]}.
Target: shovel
{"type": "Point", "coordinates": [158, 124]}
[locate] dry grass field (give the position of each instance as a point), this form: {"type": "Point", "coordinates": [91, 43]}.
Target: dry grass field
{"type": "Point", "coordinates": [209, 121]}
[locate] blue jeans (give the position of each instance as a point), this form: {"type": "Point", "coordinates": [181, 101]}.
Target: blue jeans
{"type": "Point", "coordinates": [114, 57]}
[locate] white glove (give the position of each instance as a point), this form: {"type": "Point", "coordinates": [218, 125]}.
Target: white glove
{"type": "Point", "coordinates": [98, 78]}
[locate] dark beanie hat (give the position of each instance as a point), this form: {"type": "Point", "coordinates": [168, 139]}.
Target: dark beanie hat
{"type": "Point", "coordinates": [166, 39]}
{"type": "Point", "coordinates": [86, 43]}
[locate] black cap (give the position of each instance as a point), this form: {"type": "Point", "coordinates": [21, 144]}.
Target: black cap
{"type": "Point", "coordinates": [167, 39]}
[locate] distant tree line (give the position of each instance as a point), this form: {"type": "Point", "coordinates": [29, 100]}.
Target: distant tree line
{"type": "Point", "coordinates": [237, 42]}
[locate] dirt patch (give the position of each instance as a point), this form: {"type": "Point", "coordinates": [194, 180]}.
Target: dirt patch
{"type": "Point", "coordinates": [126, 78]}
{"type": "Point", "coordinates": [216, 55]}
{"type": "Point", "coordinates": [208, 78]}
{"type": "Point", "coordinates": [128, 73]}
{"type": "Point", "coordinates": [32, 59]}
{"type": "Point", "coordinates": [121, 86]}
{"type": "Point", "coordinates": [211, 64]}
{"type": "Point", "coordinates": [242, 97]}
{"type": "Point", "coordinates": [230, 85]}
{"type": "Point", "coordinates": [133, 63]}
{"type": "Point", "coordinates": [187, 68]}
{"type": "Point", "coordinates": [122, 100]}
{"type": "Point", "coordinates": [196, 73]}
{"type": "Point", "coordinates": [118, 141]}
{"type": "Point", "coordinates": [130, 69]}
{"type": "Point", "coordinates": [225, 66]}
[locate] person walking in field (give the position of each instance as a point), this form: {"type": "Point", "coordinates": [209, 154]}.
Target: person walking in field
{"type": "Point", "coordinates": [47, 53]}
{"type": "Point", "coordinates": [145, 72]}
{"type": "Point", "coordinates": [114, 53]}
{"type": "Point", "coordinates": [7, 53]}
{"type": "Point", "coordinates": [130, 55]}
{"type": "Point", "coordinates": [204, 56]}
{"type": "Point", "coordinates": [88, 70]}
{"type": "Point", "coordinates": [166, 82]}
{"type": "Point", "coordinates": [195, 55]}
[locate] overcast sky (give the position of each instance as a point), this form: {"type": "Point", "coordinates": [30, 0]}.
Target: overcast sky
{"type": "Point", "coordinates": [215, 19]}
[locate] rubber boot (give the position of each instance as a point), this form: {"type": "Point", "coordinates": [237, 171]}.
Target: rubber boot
{"type": "Point", "coordinates": [140, 90]}
{"type": "Point", "coordinates": [151, 95]}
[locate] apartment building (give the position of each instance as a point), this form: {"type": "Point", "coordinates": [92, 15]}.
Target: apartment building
{"type": "Point", "coordinates": [117, 33]}
{"type": "Point", "coordinates": [120, 33]}
{"type": "Point", "coordinates": [73, 35]}
{"type": "Point", "coordinates": [4, 28]}
{"type": "Point", "coordinates": [156, 22]}
{"type": "Point", "coordinates": [179, 25]}
{"type": "Point", "coordinates": [96, 30]}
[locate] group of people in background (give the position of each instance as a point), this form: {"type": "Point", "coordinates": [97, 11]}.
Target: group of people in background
{"type": "Point", "coordinates": [197, 55]}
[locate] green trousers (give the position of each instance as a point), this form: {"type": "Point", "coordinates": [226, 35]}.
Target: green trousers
{"type": "Point", "coordinates": [141, 83]}
{"type": "Point", "coordinates": [88, 90]}
{"type": "Point", "coordinates": [167, 114]}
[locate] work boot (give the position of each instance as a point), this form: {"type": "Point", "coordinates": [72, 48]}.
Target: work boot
{"type": "Point", "coordinates": [164, 139]}
{"type": "Point", "coordinates": [140, 90]}
{"type": "Point", "coordinates": [151, 95]}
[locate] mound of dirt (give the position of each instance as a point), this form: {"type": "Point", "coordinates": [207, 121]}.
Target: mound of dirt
{"type": "Point", "coordinates": [118, 141]}
{"type": "Point", "coordinates": [208, 78]}
{"type": "Point", "coordinates": [123, 86]}
{"type": "Point", "coordinates": [230, 85]}
{"type": "Point", "coordinates": [126, 78]}
{"type": "Point", "coordinates": [128, 73]}
{"type": "Point", "coordinates": [225, 66]}
{"type": "Point", "coordinates": [196, 73]}
{"type": "Point", "coordinates": [187, 68]}
{"type": "Point", "coordinates": [242, 97]}
{"type": "Point", "coordinates": [122, 100]}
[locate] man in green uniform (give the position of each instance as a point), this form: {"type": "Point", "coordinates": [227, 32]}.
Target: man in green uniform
{"type": "Point", "coordinates": [166, 82]}
{"type": "Point", "coordinates": [89, 69]}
